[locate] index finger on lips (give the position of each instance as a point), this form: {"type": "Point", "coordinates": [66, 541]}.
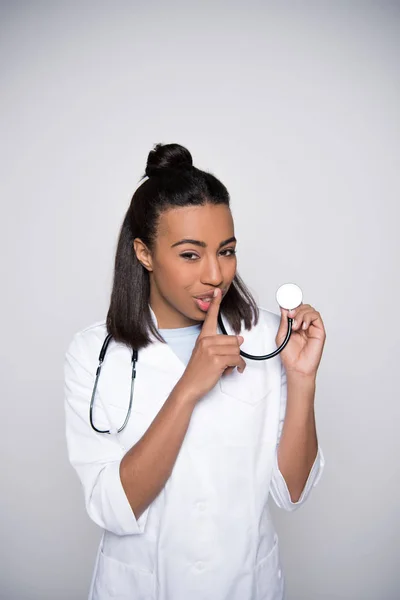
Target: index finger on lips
{"type": "Point", "coordinates": [211, 320]}
{"type": "Point", "coordinates": [223, 340]}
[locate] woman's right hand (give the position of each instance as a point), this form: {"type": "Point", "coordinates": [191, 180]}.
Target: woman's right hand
{"type": "Point", "coordinates": [214, 355]}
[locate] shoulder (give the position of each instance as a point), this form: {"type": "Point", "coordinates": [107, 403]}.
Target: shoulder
{"type": "Point", "coordinates": [86, 344]}
{"type": "Point", "coordinates": [267, 318]}
{"type": "Point", "coordinates": [268, 322]}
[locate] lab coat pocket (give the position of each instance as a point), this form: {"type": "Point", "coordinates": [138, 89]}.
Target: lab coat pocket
{"type": "Point", "coordinates": [250, 387]}
{"type": "Point", "coordinates": [269, 577]}
{"type": "Point", "coordinates": [120, 581]}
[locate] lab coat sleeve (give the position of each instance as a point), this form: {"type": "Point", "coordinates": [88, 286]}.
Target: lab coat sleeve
{"type": "Point", "coordinates": [96, 457]}
{"type": "Point", "coordinates": [279, 490]}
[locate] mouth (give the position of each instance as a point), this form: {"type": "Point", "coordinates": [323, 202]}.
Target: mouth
{"type": "Point", "coordinates": [204, 301]}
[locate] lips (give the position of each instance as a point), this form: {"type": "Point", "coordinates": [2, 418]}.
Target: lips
{"type": "Point", "coordinates": [203, 305]}
{"type": "Point", "coordinates": [204, 301]}
{"type": "Point", "coordinates": [207, 295]}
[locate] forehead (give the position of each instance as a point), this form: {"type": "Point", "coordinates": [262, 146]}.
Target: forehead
{"type": "Point", "coordinates": [209, 221]}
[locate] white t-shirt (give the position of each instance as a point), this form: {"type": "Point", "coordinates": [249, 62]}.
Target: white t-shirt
{"type": "Point", "coordinates": [182, 340]}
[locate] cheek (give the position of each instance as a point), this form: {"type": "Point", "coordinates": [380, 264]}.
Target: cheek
{"type": "Point", "coordinates": [230, 270]}
{"type": "Point", "coordinates": [176, 276]}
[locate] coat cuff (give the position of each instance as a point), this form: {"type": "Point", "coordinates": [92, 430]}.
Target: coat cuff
{"type": "Point", "coordinates": [279, 489]}
{"type": "Point", "coordinates": [117, 512]}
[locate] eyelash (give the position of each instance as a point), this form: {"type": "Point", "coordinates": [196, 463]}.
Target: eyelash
{"type": "Point", "coordinates": [186, 255]}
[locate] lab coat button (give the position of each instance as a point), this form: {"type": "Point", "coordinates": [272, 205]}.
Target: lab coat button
{"type": "Point", "coordinates": [199, 565]}
{"type": "Point", "coordinates": [201, 506]}
{"type": "Point", "coordinates": [279, 573]}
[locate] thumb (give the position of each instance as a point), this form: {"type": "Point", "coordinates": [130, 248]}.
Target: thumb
{"type": "Point", "coordinates": [211, 321]}
{"type": "Point", "coordinates": [283, 326]}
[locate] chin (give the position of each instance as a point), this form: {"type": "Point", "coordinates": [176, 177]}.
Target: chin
{"type": "Point", "coordinates": [197, 315]}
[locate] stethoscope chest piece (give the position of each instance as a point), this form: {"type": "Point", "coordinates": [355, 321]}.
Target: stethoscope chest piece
{"type": "Point", "coordinates": [289, 296]}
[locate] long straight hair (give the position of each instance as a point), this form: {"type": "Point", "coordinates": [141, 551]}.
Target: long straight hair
{"type": "Point", "coordinates": [172, 181]}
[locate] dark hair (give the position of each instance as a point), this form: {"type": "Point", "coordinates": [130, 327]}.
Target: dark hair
{"type": "Point", "coordinates": [172, 181]}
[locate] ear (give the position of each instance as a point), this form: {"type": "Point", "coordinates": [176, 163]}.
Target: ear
{"type": "Point", "coordinates": [143, 254]}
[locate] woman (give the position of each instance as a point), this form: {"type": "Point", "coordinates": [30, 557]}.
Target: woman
{"type": "Point", "coordinates": [181, 492]}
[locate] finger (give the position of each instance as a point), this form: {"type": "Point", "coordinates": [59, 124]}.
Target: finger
{"type": "Point", "coordinates": [222, 340]}
{"type": "Point", "coordinates": [283, 326]}
{"type": "Point", "coordinates": [312, 318]}
{"type": "Point", "coordinates": [228, 371]}
{"type": "Point", "coordinates": [211, 321]}
{"type": "Point", "coordinates": [242, 365]}
{"type": "Point", "coordinates": [307, 318]}
{"type": "Point", "coordinates": [227, 361]}
{"type": "Point", "coordinates": [220, 350]}
{"type": "Point", "coordinates": [295, 312]}
{"type": "Point", "coordinates": [302, 317]}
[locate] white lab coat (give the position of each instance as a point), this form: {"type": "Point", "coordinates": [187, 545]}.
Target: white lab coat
{"type": "Point", "coordinates": [208, 535]}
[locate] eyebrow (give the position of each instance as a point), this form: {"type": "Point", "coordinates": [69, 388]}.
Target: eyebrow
{"type": "Point", "coordinates": [202, 244]}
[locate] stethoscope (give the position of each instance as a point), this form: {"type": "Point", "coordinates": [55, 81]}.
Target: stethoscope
{"type": "Point", "coordinates": [289, 296]}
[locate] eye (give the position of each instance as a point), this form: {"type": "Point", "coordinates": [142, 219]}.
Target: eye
{"type": "Point", "coordinates": [230, 251]}
{"type": "Point", "coordinates": [189, 255]}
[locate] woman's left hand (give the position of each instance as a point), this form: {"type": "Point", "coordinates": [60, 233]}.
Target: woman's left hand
{"type": "Point", "coordinates": [302, 353]}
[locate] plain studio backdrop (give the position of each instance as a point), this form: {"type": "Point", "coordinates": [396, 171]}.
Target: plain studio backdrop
{"type": "Point", "coordinates": [295, 107]}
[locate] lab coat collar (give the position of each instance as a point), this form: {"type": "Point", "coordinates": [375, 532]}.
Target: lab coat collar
{"type": "Point", "coordinates": [153, 316]}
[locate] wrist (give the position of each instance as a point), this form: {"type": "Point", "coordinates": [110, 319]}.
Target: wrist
{"type": "Point", "coordinates": [301, 378]}
{"type": "Point", "coordinates": [185, 394]}
{"type": "Point", "coordinates": [301, 390]}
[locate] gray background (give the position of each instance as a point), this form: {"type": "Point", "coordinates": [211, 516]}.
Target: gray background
{"type": "Point", "coordinates": [295, 106]}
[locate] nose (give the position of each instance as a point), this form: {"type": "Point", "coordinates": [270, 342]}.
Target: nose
{"type": "Point", "coordinates": [211, 273]}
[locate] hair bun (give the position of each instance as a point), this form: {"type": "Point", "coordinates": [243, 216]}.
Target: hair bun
{"type": "Point", "coordinates": [168, 156]}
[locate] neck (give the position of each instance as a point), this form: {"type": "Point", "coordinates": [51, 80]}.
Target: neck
{"type": "Point", "coordinates": [167, 316]}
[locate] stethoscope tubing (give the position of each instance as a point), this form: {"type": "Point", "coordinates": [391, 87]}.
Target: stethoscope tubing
{"type": "Point", "coordinates": [98, 371]}
{"type": "Point", "coordinates": [263, 356]}
{"type": "Point", "coordinates": [133, 376]}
